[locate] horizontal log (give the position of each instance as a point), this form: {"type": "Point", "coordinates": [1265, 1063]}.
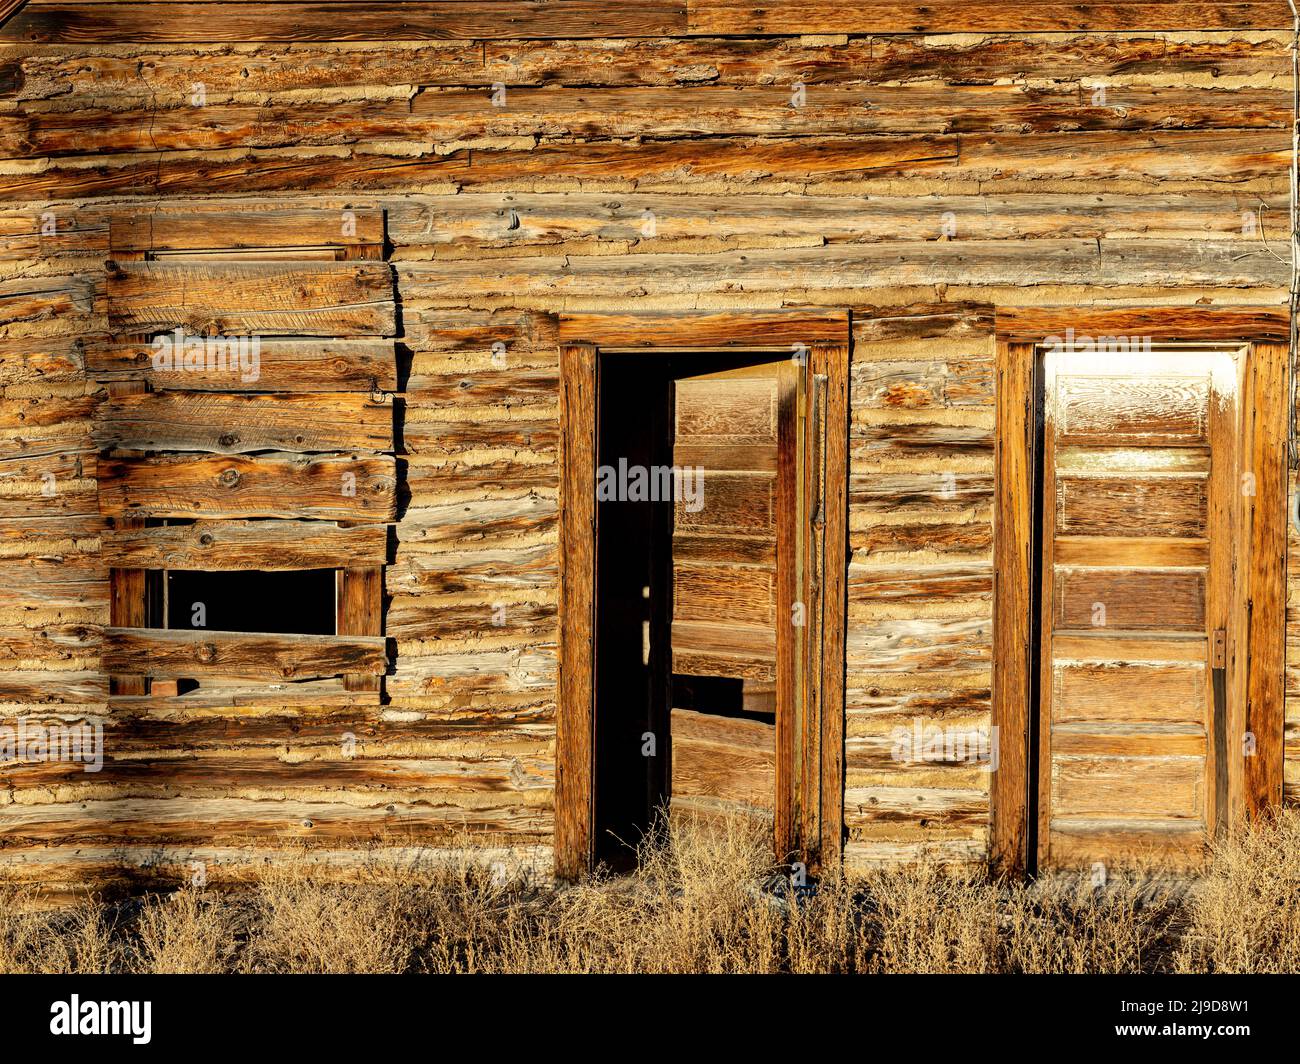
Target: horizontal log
{"type": "Point", "coordinates": [220, 546]}
{"type": "Point", "coordinates": [53, 689]}
{"type": "Point", "coordinates": [1155, 159]}
{"type": "Point", "coordinates": [231, 424]}
{"type": "Point", "coordinates": [163, 653]}
{"type": "Point", "coordinates": [282, 366]}
{"type": "Point", "coordinates": [302, 299]}
{"type": "Point", "coordinates": [447, 115]}
{"type": "Point", "coordinates": [841, 267]}
{"type": "Point", "coordinates": [912, 646]}
{"type": "Point", "coordinates": [527, 568]}
{"type": "Point", "coordinates": [539, 220]}
{"type": "Point", "coordinates": [727, 17]}
{"type": "Point", "coordinates": [325, 487]}
{"type": "Point", "coordinates": [251, 172]}
{"type": "Point", "coordinates": [68, 21]}
{"type": "Point", "coordinates": [157, 822]}
{"type": "Point", "coordinates": [1172, 162]}
{"type": "Point", "coordinates": [648, 61]}
{"type": "Point", "coordinates": [161, 231]}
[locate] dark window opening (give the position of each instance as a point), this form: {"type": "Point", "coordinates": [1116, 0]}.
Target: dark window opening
{"type": "Point", "coordinates": [298, 602]}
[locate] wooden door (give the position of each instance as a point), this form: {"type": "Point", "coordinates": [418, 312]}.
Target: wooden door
{"type": "Point", "coordinates": [734, 579]}
{"type": "Point", "coordinates": [1138, 495]}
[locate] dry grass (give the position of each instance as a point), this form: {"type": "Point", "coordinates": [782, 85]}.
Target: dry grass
{"type": "Point", "coordinates": [705, 900]}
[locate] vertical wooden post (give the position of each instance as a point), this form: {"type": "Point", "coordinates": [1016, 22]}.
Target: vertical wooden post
{"type": "Point", "coordinates": [128, 588]}
{"type": "Point", "coordinates": [1265, 452]}
{"type": "Point", "coordinates": [791, 691]}
{"type": "Point", "coordinates": [1012, 576]}
{"type": "Point", "coordinates": [360, 606]}
{"type": "Point", "coordinates": [575, 716]}
{"type": "Point", "coordinates": [832, 362]}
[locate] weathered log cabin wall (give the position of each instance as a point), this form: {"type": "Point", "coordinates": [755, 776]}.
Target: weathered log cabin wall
{"type": "Point", "coordinates": [633, 160]}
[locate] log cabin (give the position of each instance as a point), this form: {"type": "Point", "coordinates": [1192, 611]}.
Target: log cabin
{"type": "Point", "coordinates": [432, 427]}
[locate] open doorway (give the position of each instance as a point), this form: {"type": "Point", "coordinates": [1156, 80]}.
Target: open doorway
{"type": "Point", "coordinates": [702, 617]}
{"type": "Point", "coordinates": [699, 498]}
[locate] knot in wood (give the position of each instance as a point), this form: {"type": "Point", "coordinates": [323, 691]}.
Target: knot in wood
{"type": "Point", "coordinates": [228, 439]}
{"type": "Point", "coordinates": [206, 653]}
{"type": "Point", "coordinates": [206, 539]}
{"type": "Point", "coordinates": [228, 478]}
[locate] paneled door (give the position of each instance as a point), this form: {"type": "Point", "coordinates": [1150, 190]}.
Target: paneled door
{"type": "Point", "coordinates": [1139, 487]}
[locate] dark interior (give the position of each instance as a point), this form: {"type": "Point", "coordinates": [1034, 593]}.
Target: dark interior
{"type": "Point", "coordinates": [295, 602]}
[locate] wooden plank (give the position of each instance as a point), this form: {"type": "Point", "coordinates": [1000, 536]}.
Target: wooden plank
{"type": "Point", "coordinates": [233, 424]}
{"type": "Point", "coordinates": [1128, 788]}
{"type": "Point", "coordinates": [449, 114]}
{"type": "Point", "coordinates": [324, 365]}
{"type": "Point", "coordinates": [1107, 506]}
{"type": "Point", "coordinates": [1013, 573]}
{"type": "Point", "coordinates": [1118, 409]}
{"type": "Point", "coordinates": [741, 593]}
{"type": "Point", "coordinates": [128, 587]}
{"type": "Point", "coordinates": [360, 599]}
{"type": "Point", "coordinates": [575, 714]}
{"type": "Point", "coordinates": [225, 546]}
{"type": "Point", "coordinates": [72, 22]}
{"type": "Point", "coordinates": [326, 487]}
{"type": "Point", "coordinates": [788, 504]}
{"type": "Point", "coordinates": [1267, 533]}
{"type": "Point", "coordinates": [334, 299]}
{"type": "Point", "coordinates": [1128, 692]}
{"type": "Point", "coordinates": [829, 666]}
{"type": "Point", "coordinates": [256, 656]}
{"type": "Point", "coordinates": [1170, 324]}
{"type": "Point", "coordinates": [710, 330]}
{"type": "Point", "coordinates": [1130, 599]}
{"type": "Point", "coordinates": [742, 503]}
{"type": "Point", "coordinates": [164, 231]}
{"type": "Point", "coordinates": [1101, 645]}
{"type": "Point", "coordinates": [741, 17]}
{"type": "Point", "coordinates": [1125, 552]}
{"type": "Point", "coordinates": [725, 758]}
{"type": "Point", "coordinates": [1176, 844]}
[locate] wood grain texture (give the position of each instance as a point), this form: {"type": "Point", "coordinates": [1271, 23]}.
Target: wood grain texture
{"type": "Point", "coordinates": [1013, 573]}
{"type": "Point", "coordinates": [234, 424]}
{"type": "Point", "coordinates": [575, 719]}
{"type": "Point", "coordinates": [222, 546]}
{"type": "Point", "coordinates": [1266, 521]}
{"type": "Point", "coordinates": [234, 299]}
{"type": "Point", "coordinates": [328, 487]}
{"type": "Point", "coordinates": [73, 22]}
{"type": "Point", "coordinates": [324, 365]}
{"type": "Point", "coordinates": [182, 654]}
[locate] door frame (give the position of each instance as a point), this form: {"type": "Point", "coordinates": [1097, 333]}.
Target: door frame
{"type": "Point", "coordinates": [813, 749]}
{"type": "Point", "coordinates": [1259, 652]}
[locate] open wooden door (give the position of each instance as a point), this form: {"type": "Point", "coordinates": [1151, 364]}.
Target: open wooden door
{"type": "Point", "coordinates": [757, 573]}
{"type": "Point", "coordinates": [735, 652]}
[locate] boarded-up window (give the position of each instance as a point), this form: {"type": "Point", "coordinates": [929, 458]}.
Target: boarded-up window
{"type": "Point", "coordinates": [246, 447]}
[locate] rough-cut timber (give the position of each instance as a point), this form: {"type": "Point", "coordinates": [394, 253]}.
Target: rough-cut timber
{"type": "Point", "coordinates": [409, 204]}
